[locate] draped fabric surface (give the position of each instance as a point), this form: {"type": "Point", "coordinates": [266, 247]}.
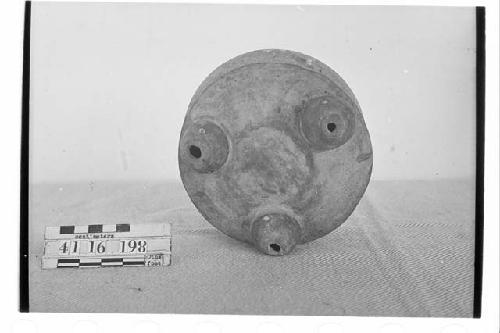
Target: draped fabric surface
{"type": "Point", "coordinates": [407, 250]}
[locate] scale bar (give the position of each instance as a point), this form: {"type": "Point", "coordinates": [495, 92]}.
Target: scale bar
{"type": "Point", "coordinates": [138, 261]}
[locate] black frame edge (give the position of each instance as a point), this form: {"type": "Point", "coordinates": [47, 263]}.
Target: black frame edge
{"type": "Point", "coordinates": [480, 122]}
{"type": "Point", "coordinates": [25, 118]}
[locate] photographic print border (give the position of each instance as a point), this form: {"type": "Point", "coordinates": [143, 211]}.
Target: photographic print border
{"type": "Point", "coordinates": [480, 150]}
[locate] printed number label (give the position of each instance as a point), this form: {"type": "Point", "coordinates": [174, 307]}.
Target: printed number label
{"type": "Point", "coordinates": [69, 247]}
{"type": "Point", "coordinates": [133, 246]}
{"type": "Point", "coordinates": [96, 247]}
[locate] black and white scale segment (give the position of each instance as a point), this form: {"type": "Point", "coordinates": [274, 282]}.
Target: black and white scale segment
{"type": "Point", "coordinates": [100, 262]}
{"type": "Point", "coordinates": [94, 228]}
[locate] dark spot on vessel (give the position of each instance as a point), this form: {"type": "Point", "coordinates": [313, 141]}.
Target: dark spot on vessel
{"type": "Point", "coordinates": [363, 156]}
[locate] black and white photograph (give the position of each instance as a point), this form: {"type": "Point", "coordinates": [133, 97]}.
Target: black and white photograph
{"type": "Point", "coordinates": [246, 159]}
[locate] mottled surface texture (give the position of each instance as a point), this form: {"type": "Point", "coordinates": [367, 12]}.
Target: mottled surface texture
{"type": "Point", "coordinates": [407, 250]}
{"type": "Point", "coordinates": [274, 150]}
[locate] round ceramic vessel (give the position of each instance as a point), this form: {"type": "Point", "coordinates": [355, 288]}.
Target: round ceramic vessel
{"type": "Point", "coordinates": [274, 150]}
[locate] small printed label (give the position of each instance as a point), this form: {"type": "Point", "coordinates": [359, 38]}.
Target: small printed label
{"type": "Point", "coordinates": [107, 245]}
{"type": "Point", "coordinates": [154, 260]}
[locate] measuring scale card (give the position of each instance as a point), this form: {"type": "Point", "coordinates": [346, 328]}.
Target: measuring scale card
{"type": "Point", "coordinates": [107, 245]}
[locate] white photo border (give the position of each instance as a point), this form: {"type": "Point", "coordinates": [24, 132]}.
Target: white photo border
{"type": "Point", "coordinates": [11, 27]}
